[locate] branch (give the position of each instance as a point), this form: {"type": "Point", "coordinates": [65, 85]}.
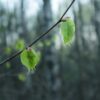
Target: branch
{"type": "Point", "coordinates": [41, 36]}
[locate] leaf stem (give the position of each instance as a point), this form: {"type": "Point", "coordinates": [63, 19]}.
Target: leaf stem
{"type": "Point", "coordinates": [41, 36]}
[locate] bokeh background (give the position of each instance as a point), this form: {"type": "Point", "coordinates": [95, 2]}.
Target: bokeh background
{"type": "Point", "coordinates": [70, 72]}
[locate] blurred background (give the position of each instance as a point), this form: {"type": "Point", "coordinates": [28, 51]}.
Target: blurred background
{"type": "Point", "coordinates": [70, 72]}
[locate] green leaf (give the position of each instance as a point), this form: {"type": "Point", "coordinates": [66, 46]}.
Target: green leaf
{"type": "Point", "coordinates": [20, 44]}
{"type": "Point", "coordinates": [68, 30]}
{"type": "Point", "coordinates": [29, 59]}
{"type": "Point", "coordinates": [21, 77]}
{"type": "Point", "coordinates": [8, 65]}
{"type": "Point", "coordinates": [8, 50]}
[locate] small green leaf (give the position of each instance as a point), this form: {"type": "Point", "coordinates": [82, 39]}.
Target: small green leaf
{"type": "Point", "coordinates": [29, 59]}
{"type": "Point", "coordinates": [8, 50]}
{"type": "Point", "coordinates": [21, 77]}
{"type": "Point", "coordinates": [20, 44]}
{"type": "Point", "coordinates": [68, 30]}
{"type": "Point", "coordinates": [8, 65]}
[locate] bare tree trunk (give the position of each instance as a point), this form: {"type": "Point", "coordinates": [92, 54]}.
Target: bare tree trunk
{"type": "Point", "coordinates": [96, 21]}
{"type": "Point", "coordinates": [49, 56]}
{"type": "Point", "coordinates": [24, 30]}
{"type": "Point", "coordinates": [79, 47]}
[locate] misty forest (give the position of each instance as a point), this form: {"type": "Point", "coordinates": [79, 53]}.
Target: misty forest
{"type": "Point", "coordinates": [61, 71]}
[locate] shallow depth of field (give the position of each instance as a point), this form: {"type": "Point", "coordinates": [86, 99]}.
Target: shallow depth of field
{"type": "Point", "coordinates": [64, 72]}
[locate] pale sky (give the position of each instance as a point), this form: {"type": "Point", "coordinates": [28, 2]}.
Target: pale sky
{"type": "Point", "coordinates": [33, 5]}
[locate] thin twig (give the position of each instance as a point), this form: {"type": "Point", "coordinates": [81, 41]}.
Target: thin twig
{"type": "Point", "coordinates": [41, 36]}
